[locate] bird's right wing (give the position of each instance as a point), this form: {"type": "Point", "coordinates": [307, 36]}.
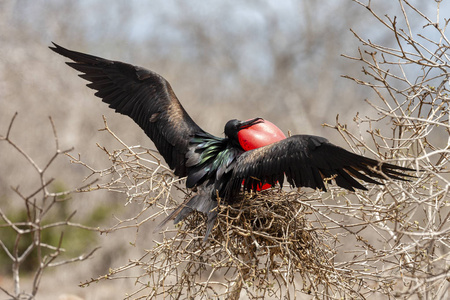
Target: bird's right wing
{"type": "Point", "coordinates": [144, 96]}
{"type": "Point", "coordinates": [307, 161]}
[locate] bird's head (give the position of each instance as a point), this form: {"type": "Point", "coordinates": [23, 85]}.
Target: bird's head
{"type": "Point", "coordinates": [233, 127]}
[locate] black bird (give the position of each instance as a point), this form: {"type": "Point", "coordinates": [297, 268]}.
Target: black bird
{"type": "Point", "coordinates": [213, 165]}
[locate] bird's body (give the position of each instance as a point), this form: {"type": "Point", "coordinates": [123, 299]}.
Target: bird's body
{"type": "Point", "coordinates": [215, 166]}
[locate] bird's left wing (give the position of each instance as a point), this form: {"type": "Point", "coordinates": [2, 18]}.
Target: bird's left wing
{"type": "Point", "coordinates": [144, 96]}
{"type": "Point", "coordinates": [307, 161]}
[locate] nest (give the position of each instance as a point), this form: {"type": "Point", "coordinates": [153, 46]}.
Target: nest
{"type": "Point", "coordinates": [262, 246]}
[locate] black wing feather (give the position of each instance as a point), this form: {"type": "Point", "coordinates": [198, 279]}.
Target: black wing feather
{"type": "Point", "coordinates": [144, 96]}
{"type": "Point", "coordinates": [307, 161]}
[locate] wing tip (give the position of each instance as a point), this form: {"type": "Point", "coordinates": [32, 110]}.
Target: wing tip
{"type": "Point", "coordinates": [58, 49]}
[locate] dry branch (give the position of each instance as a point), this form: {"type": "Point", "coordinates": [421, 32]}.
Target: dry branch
{"type": "Point", "coordinates": [392, 241]}
{"type": "Point", "coordinates": [37, 205]}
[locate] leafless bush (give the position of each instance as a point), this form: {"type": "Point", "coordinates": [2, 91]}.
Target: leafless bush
{"type": "Point", "coordinates": [261, 244]}
{"type": "Point", "coordinates": [391, 241]}
{"type": "Point", "coordinates": [21, 239]}
{"type": "Point", "coordinates": [277, 244]}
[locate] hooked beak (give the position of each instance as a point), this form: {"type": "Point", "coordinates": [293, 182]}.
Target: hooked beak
{"type": "Point", "coordinates": [249, 123]}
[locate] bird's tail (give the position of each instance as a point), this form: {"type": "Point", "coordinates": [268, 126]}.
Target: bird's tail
{"type": "Point", "coordinates": [202, 202]}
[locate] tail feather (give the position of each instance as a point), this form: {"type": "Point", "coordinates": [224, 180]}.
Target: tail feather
{"type": "Point", "coordinates": [201, 202]}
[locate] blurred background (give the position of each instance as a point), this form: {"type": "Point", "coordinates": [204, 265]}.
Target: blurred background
{"type": "Point", "coordinates": [279, 60]}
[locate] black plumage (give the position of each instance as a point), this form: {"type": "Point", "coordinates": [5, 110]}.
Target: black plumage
{"type": "Point", "coordinates": [144, 96]}
{"type": "Point", "coordinates": [218, 166]}
{"type": "Point", "coordinates": [307, 161]}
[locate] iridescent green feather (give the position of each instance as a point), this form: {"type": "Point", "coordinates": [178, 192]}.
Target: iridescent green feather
{"type": "Point", "coordinates": [211, 157]}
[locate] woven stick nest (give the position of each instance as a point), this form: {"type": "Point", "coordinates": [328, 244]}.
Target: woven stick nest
{"type": "Point", "coordinates": [263, 245]}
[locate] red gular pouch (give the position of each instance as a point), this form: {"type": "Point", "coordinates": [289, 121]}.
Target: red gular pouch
{"type": "Point", "coordinates": [260, 135]}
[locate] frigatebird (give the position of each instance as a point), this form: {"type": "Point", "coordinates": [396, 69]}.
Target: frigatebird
{"type": "Point", "coordinates": [221, 167]}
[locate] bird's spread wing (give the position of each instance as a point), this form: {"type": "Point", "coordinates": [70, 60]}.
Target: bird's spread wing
{"type": "Point", "coordinates": [307, 161]}
{"type": "Point", "coordinates": [144, 96]}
